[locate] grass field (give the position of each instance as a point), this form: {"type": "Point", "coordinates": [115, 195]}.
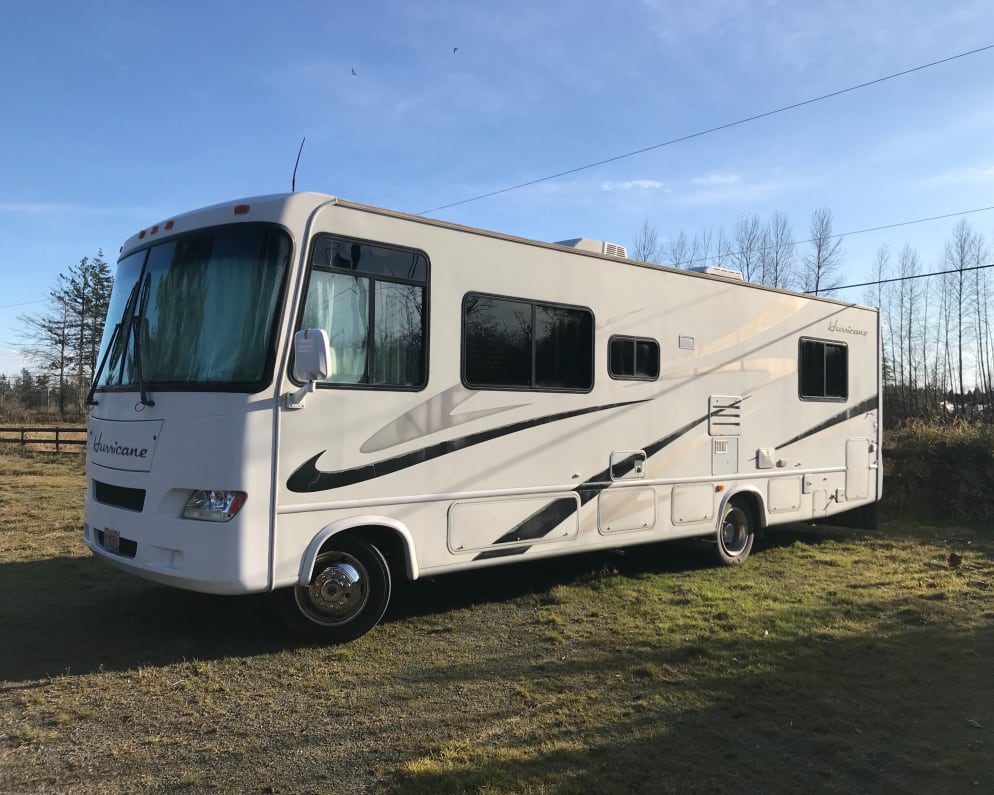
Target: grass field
{"type": "Point", "coordinates": [833, 660]}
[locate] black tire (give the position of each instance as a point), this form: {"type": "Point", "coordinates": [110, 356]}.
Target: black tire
{"type": "Point", "coordinates": [735, 535]}
{"type": "Point", "coordinates": [347, 597]}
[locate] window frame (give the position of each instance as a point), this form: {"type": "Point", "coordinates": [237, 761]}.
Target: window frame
{"type": "Point", "coordinates": [823, 398]}
{"type": "Point", "coordinates": [373, 278]}
{"type": "Point", "coordinates": [635, 341]}
{"type": "Point", "coordinates": [534, 304]}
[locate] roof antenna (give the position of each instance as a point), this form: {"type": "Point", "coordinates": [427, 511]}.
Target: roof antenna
{"type": "Point", "coordinates": [293, 180]}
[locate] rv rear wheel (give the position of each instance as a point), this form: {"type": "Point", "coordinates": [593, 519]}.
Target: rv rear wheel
{"type": "Point", "coordinates": [347, 596]}
{"type": "Point", "coordinates": [735, 535]}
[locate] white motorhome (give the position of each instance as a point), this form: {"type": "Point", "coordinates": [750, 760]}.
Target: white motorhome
{"type": "Point", "coordinates": [309, 396]}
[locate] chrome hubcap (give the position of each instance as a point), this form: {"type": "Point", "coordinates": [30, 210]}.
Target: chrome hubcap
{"type": "Point", "coordinates": [338, 593]}
{"type": "Point", "coordinates": [733, 536]}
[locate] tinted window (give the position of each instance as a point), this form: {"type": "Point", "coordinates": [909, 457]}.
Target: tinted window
{"type": "Point", "coordinates": [633, 357]}
{"type": "Point", "coordinates": [564, 342]}
{"type": "Point", "coordinates": [497, 349]}
{"type": "Point", "coordinates": [371, 301]}
{"type": "Point", "coordinates": [516, 344]}
{"type": "Point", "coordinates": [823, 370]}
{"type": "Point", "coordinates": [350, 255]}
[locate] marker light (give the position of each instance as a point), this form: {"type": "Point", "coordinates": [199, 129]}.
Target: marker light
{"type": "Point", "coordinates": [169, 224]}
{"type": "Point", "coordinates": [241, 209]}
{"type": "Point", "coordinates": [214, 505]}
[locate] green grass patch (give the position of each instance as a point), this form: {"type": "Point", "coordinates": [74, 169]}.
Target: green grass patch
{"type": "Point", "coordinates": [831, 660]}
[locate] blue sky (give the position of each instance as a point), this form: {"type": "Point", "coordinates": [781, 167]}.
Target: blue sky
{"type": "Point", "coordinates": [116, 115]}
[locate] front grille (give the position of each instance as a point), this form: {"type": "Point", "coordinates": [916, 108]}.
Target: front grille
{"type": "Point", "coordinates": [119, 496]}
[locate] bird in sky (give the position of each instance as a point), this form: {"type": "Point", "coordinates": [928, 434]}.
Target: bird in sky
{"type": "Point", "coordinates": [354, 72]}
{"type": "Point", "coordinates": [454, 50]}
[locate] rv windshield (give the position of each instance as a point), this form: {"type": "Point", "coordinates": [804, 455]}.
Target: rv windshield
{"type": "Point", "coordinates": [196, 310]}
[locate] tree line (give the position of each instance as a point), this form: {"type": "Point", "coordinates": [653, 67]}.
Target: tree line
{"type": "Point", "coordinates": [763, 252]}
{"type": "Point", "coordinates": [937, 340]}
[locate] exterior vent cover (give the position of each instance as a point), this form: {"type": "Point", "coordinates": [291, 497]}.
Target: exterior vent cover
{"type": "Point", "coordinates": [595, 246]}
{"type": "Point", "coordinates": [714, 270]}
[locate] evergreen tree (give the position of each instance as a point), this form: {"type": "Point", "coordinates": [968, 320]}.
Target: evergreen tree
{"type": "Point", "coordinates": [65, 339]}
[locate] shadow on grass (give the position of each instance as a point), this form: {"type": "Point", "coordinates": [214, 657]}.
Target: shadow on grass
{"type": "Point", "coordinates": [77, 615]}
{"type": "Point", "coordinates": [908, 711]}
{"type": "Point", "coordinates": [73, 616]}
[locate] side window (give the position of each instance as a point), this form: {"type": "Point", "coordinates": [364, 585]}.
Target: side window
{"type": "Point", "coordinates": [513, 343]}
{"type": "Point", "coordinates": [372, 302]}
{"type": "Point", "coordinates": [634, 358]}
{"type": "Point", "coordinates": [823, 370]}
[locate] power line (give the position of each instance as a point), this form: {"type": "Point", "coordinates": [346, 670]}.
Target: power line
{"type": "Point", "coordinates": [708, 131]}
{"type": "Point", "coordinates": [24, 303]}
{"type": "Point", "coordinates": [909, 278]}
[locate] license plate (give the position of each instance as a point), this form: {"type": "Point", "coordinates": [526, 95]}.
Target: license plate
{"type": "Point", "coordinates": [112, 540]}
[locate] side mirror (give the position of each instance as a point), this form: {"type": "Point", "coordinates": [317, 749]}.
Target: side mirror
{"type": "Point", "coordinates": [311, 360]}
{"type": "Point", "coordinates": [311, 354]}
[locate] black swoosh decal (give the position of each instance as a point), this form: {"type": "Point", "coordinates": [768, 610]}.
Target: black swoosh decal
{"type": "Point", "coordinates": [860, 408]}
{"type": "Point", "coordinates": [308, 478]}
{"type": "Point", "coordinates": [547, 518]}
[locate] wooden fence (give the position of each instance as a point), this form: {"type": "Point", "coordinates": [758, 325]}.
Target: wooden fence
{"type": "Point", "coordinates": [39, 438]}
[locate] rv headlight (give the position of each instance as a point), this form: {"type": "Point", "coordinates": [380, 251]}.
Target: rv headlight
{"type": "Point", "coordinates": [212, 505]}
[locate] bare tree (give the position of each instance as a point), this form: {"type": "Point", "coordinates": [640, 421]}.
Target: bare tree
{"type": "Point", "coordinates": [982, 331]}
{"type": "Point", "coordinates": [909, 268]}
{"type": "Point", "coordinates": [880, 271]}
{"type": "Point", "coordinates": [876, 295]}
{"type": "Point", "coordinates": [961, 254]}
{"type": "Point", "coordinates": [646, 247]}
{"type": "Point", "coordinates": [701, 249]}
{"type": "Point", "coordinates": [944, 337]}
{"type": "Point", "coordinates": [748, 239]}
{"type": "Point", "coordinates": [724, 250]}
{"type": "Point", "coordinates": [822, 263]}
{"type": "Point", "coordinates": [678, 250]}
{"type": "Point", "coordinates": [778, 258]}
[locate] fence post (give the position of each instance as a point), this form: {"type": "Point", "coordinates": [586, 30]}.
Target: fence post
{"type": "Point", "coordinates": [56, 438]}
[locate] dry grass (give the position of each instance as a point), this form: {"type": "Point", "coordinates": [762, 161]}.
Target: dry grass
{"type": "Point", "coordinates": [832, 660]}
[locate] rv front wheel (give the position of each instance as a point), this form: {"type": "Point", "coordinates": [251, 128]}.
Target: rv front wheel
{"type": "Point", "coordinates": [346, 597]}
{"type": "Point", "coordinates": [735, 535]}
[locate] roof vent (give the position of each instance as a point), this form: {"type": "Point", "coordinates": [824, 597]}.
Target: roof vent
{"type": "Point", "coordinates": [714, 270]}
{"type": "Point", "coordinates": [596, 246]}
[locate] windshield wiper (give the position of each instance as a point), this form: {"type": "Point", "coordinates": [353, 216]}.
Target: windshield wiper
{"type": "Point", "coordinates": [136, 329]}
{"type": "Point", "coordinates": [122, 331]}
{"type": "Point", "coordinates": [90, 402]}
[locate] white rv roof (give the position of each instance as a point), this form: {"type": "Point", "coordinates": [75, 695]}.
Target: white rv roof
{"type": "Point", "coordinates": [283, 205]}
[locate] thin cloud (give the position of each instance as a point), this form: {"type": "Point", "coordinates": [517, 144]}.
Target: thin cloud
{"type": "Point", "coordinates": [634, 184]}
{"type": "Point", "coordinates": [715, 189]}
{"type": "Point", "coordinates": [971, 175]}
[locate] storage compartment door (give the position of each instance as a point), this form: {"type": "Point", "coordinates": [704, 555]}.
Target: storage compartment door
{"type": "Point", "coordinates": [857, 469]}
